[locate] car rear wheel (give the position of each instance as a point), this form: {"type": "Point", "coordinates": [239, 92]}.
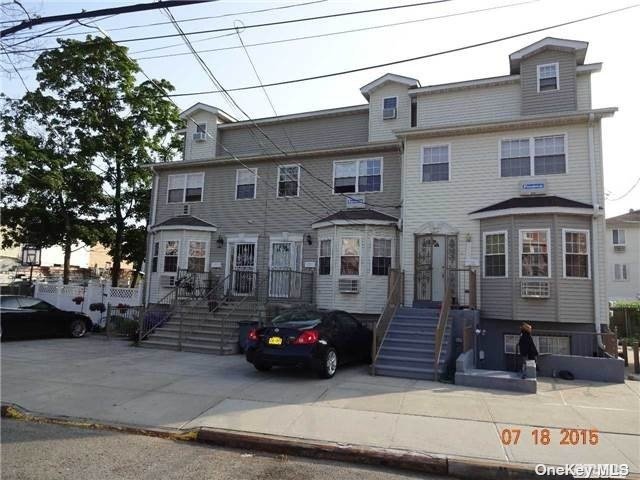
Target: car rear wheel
{"type": "Point", "coordinates": [78, 328]}
{"type": "Point", "coordinates": [262, 367]}
{"type": "Point", "coordinates": [329, 364]}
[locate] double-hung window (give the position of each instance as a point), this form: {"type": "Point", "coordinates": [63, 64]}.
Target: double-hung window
{"type": "Point", "coordinates": [324, 258]}
{"type": "Point", "coordinates": [288, 181]}
{"type": "Point", "coordinates": [186, 187]}
{"type": "Point", "coordinates": [196, 258]}
{"type": "Point", "coordinates": [495, 254]}
{"type": "Point", "coordinates": [389, 108]}
{"type": "Point", "coordinates": [576, 252]}
{"type": "Point", "coordinates": [154, 258]}
{"type": "Point", "coordinates": [171, 249]}
{"type": "Point", "coordinates": [620, 272]}
{"type": "Point", "coordinates": [548, 77]}
{"type": "Point", "coordinates": [523, 157]}
{"type": "Point", "coordinates": [534, 253]}
{"type": "Point", "coordinates": [350, 256]}
{"type": "Point", "coordinates": [618, 237]}
{"type": "Point", "coordinates": [357, 176]}
{"type": "Point", "coordinates": [246, 183]}
{"type": "Point", "coordinates": [435, 163]}
{"type": "Point", "coordinates": [381, 256]}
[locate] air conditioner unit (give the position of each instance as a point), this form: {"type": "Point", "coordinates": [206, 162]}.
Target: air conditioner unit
{"type": "Point", "coordinates": [389, 113]}
{"type": "Point", "coordinates": [535, 289]}
{"type": "Point", "coordinates": [199, 136]}
{"type": "Point", "coordinates": [348, 285]}
{"type": "Point", "coordinates": [619, 248]}
{"type": "Point", "coordinates": [167, 281]}
{"type": "Point", "coordinates": [186, 209]}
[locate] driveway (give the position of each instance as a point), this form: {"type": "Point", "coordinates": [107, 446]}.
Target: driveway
{"type": "Point", "coordinates": [112, 381]}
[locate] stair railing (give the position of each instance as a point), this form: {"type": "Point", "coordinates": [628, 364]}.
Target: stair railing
{"type": "Point", "coordinates": [157, 314]}
{"type": "Point", "coordinates": [443, 319]}
{"type": "Point", "coordinates": [394, 300]}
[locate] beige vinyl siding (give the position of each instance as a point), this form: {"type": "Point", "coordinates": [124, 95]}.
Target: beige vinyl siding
{"type": "Point", "coordinates": [482, 104]}
{"type": "Point", "coordinates": [305, 134]}
{"type": "Point", "coordinates": [583, 87]}
{"type": "Point", "coordinates": [629, 289]}
{"type": "Point", "coordinates": [475, 183]}
{"type": "Point", "coordinates": [196, 150]}
{"type": "Point", "coordinates": [379, 129]}
{"type": "Point", "coordinates": [550, 101]}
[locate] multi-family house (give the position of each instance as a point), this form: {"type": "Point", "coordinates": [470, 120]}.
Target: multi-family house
{"type": "Point", "coordinates": [623, 256]}
{"type": "Point", "coordinates": [489, 191]}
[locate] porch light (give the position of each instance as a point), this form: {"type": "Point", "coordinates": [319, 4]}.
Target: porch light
{"type": "Point", "coordinates": [220, 241]}
{"type": "Point", "coordinates": [309, 239]}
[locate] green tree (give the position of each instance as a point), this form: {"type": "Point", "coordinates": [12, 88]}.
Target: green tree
{"type": "Point", "coordinates": [50, 194]}
{"type": "Point", "coordinates": [120, 125]}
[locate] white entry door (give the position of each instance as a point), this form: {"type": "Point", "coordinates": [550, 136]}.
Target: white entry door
{"type": "Point", "coordinates": [284, 281]}
{"type": "Point", "coordinates": [243, 263]}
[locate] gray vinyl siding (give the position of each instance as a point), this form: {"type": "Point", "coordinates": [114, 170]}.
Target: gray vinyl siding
{"type": "Point", "coordinates": [550, 101]}
{"type": "Point", "coordinates": [296, 135]}
{"type": "Point", "coordinates": [571, 299]}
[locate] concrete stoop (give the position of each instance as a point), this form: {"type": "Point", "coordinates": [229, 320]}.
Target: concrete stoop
{"type": "Point", "coordinates": [496, 379]}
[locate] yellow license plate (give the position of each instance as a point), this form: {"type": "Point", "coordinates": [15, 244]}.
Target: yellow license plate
{"type": "Point", "coordinates": [275, 341]}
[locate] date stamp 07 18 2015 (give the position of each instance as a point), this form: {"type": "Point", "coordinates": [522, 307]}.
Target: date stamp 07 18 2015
{"type": "Point", "coordinates": [543, 436]}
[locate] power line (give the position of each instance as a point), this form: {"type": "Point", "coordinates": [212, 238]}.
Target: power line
{"type": "Point", "coordinates": [626, 193]}
{"type": "Point", "coordinates": [269, 24]}
{"type": "Point", "coordinates": [140, 7]}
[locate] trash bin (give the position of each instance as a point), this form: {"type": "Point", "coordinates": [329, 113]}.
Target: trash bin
{"type": "Point", "coordinates": [244, 326]}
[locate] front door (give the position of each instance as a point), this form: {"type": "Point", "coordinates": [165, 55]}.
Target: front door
{"type": "Point", "coordinates": [434, 256]}
{"type": "Point", "coordinates": [243, 263]}
{"type": "Point", "coordinates": [284, 281]}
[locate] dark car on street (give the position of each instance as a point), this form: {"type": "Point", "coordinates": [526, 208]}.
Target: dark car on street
{"type": "Point", "coordinates": [28, 317]}
{"type": "Point", "coordinates": [317, 339]}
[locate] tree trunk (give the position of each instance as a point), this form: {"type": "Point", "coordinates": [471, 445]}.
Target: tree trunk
{"type": "Point", "coordinates": [117, 246]}
{"type": "Point", "coordinates": [137, 266]}
{"type": "Point", "coordinates": [67, 260]}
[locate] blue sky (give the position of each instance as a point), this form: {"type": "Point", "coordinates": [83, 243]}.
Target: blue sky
{"type": "Point", "coordinates": [613, 41]}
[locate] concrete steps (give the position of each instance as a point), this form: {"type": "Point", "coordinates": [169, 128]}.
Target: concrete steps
{"type": "Point", "coordinates": [496, 379]}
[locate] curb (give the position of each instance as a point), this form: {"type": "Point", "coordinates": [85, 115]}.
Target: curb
{"type": "Point", "coordinates": [391, 458]}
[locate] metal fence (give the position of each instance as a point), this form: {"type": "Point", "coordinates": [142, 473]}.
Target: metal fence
{"type": "Point", "coordinates": [123, 321]}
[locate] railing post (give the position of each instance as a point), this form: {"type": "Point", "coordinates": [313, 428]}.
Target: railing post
{"type": "Point", "coordinates": [472, 290]}
{"type": "Point", "coordinates": [625, 353]}
{"type": "Point", "coordinates": [636, 358]}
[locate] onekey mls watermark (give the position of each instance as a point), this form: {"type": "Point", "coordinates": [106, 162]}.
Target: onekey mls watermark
{"type": "Point", "coordinates": [585, 470]}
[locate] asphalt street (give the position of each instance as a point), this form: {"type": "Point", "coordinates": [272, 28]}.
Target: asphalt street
{"type": "Point", "coordinates": [41, 451]}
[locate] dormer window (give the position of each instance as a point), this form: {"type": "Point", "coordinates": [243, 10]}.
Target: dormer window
{"type": "Point", "coordinates": [548, 77]}
{"type": "Point", "coordinates": [200, 135]}
{"type": "Point", "coordinates": [389, 108]}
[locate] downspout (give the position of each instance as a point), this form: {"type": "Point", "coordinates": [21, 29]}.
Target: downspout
{"type": "Point", "coordinates": [151, 241]}
{"type": "Point", "coordinates": [595, 263]}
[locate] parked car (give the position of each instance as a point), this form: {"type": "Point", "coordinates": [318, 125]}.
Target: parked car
{"type": "Point", "coordinates": [29, 317]}
{"type": "Point", "coordinates": [317, 339]}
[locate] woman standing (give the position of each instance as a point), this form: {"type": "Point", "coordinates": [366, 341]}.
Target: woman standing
{"type": "Point", "coordinates": [528, 350]}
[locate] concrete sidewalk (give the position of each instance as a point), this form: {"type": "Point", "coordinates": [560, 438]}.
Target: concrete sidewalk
{"type": "Point", "coordinates": [111, 381]}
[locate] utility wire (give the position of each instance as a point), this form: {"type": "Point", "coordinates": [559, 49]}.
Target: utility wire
{"type": "Point", "coordinates": [626, 193]}
{"type": "Point", "coordinates": [269, 24]}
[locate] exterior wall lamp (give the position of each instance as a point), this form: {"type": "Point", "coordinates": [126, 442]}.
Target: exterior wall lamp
{"type": "Point", "coordinates": [309, 239]}
{"type": "Point", "coordinates": [220, 241]}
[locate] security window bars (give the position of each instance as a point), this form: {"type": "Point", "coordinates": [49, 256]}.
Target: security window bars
{"type": "Point", "coordinates": [357, 176]}
{"type": "Point", "coordinates": [534, 253]}
{"type": "Point", "coordinates": [186, 187]}
{"type": "Point", "coordinates": [171, 256]}
{"type": "Point", "coordinates": [381, 256]}
{"type": "Point", "coordinates": [435, 163]}
{"type": "Point", "coordinates": [576, 254]}
{"type": "Point", "coordinates": [246, 183]}
{"type": "Point", "coordinates": [558, 345]}
{"type": "Point", "coordinates": [288, 180]}
{"type": "Point", "coordinates": [548, 77]}
{"type": "Point", "coordinates": [324, 259]}
{"type": "Point", "coordinates": [350, 256]}
{"type": "Point", "coordinates": [196, 258]}
{"type": "Point", "coordinates": [495, 254]}
{"type": "Point", "coordinates": [515, 160]}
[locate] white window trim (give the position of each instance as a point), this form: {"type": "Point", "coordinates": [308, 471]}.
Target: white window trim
{"type": "Point", "coordinates": [206, 129]}
{"type": "Point", "coordinates": [297, 165]}
{"type": "Point", "coordinates": [164, 254]}
{"type": "Point", "coordinates": [358, 160]}
{"type": "Point", "coordinates": [331, 268]}
{"type": "Point", "coordinates": [432, 145]}
{"type": "Point", "coordinates": [206, 252]}
{"type": "Point", "coordinates": [556, 65]}
{"type": "Point", "coordinates": [292, 245]}
{"type": "Point", "coordinates": [532, 155]}
{"type": "Point", "coordinates": [549, 251]}
{"type": "Point", "coordinates": [255, 184]}
{"type": "Point", "coordinates": [506, 253]}
{"type": "Point", "coordinates": [564, 253]}
{"type": "Point", "coordinates": [397, 108]}
{"type": "Point", "coordinates": [625, 237]}
{"type": "Point", "coordinates": [626, 269]}
{"type": "Point", "coordinates": [184, 190]}
{"type": "Point", "coordinates": [340, 275]}
{"type": "Point", "coordinates": [391, 265]}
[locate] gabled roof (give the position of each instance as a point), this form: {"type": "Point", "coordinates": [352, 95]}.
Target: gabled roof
{"type": "Point", "coordinates": [359, 216]}
{"type": "Point", "coordinates": [387, 78]}
{"type": "Point", "coordinates": [633, 216]}
{"type": "Point", "coordinates": [580, 48]}
{"type": "Point", "coordinates": [533, 204]}
{"type": "Point", "coordinates": [184, 222]}
{"type": "Point", "coordinates": [225, 117]}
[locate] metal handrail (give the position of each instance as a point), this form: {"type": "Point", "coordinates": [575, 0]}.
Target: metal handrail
{"type": "Point", "coordinates": [443, 319]}
{"type": "Point", "coordinates": [142, 333]}
{"type": "Point", "coordinates": [394, 300]}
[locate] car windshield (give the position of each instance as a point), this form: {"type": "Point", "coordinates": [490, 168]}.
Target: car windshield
{"type": "Point", "coordinates": [35, 304]}
{"type": "Point", "coordinates": [298, 318]}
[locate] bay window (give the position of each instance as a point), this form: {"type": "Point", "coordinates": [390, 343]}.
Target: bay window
{"type": "Point", "coordinates": [196, 258]}
{"type": "Point", "coordinates": [171, 249]}
{"type": "Point", "coordinates": [324, 258]}
{"type": "Point", "coordinates": [495, 254]}
{"type": "Point", "coordinates": [350, 256]}
{"type": "Point", "coordinates": [576, 253]}
{"type": "Point", "coordinates": [534, 253]}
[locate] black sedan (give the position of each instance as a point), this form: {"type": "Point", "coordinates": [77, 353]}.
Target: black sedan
{"type": "Point", "coordinates": [29, 317]}
{"type": "Point", "coordinates": [316, 339]}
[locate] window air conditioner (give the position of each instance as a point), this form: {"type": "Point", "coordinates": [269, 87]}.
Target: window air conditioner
{"type": "Point", "coordinates": [619, 248]}
{"type": "Point", "coordinates": [534, 289]}
{"type": "Point", "coordinates": [389, 113]}
{"type": "Point", "coordinates": [348, 285]}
